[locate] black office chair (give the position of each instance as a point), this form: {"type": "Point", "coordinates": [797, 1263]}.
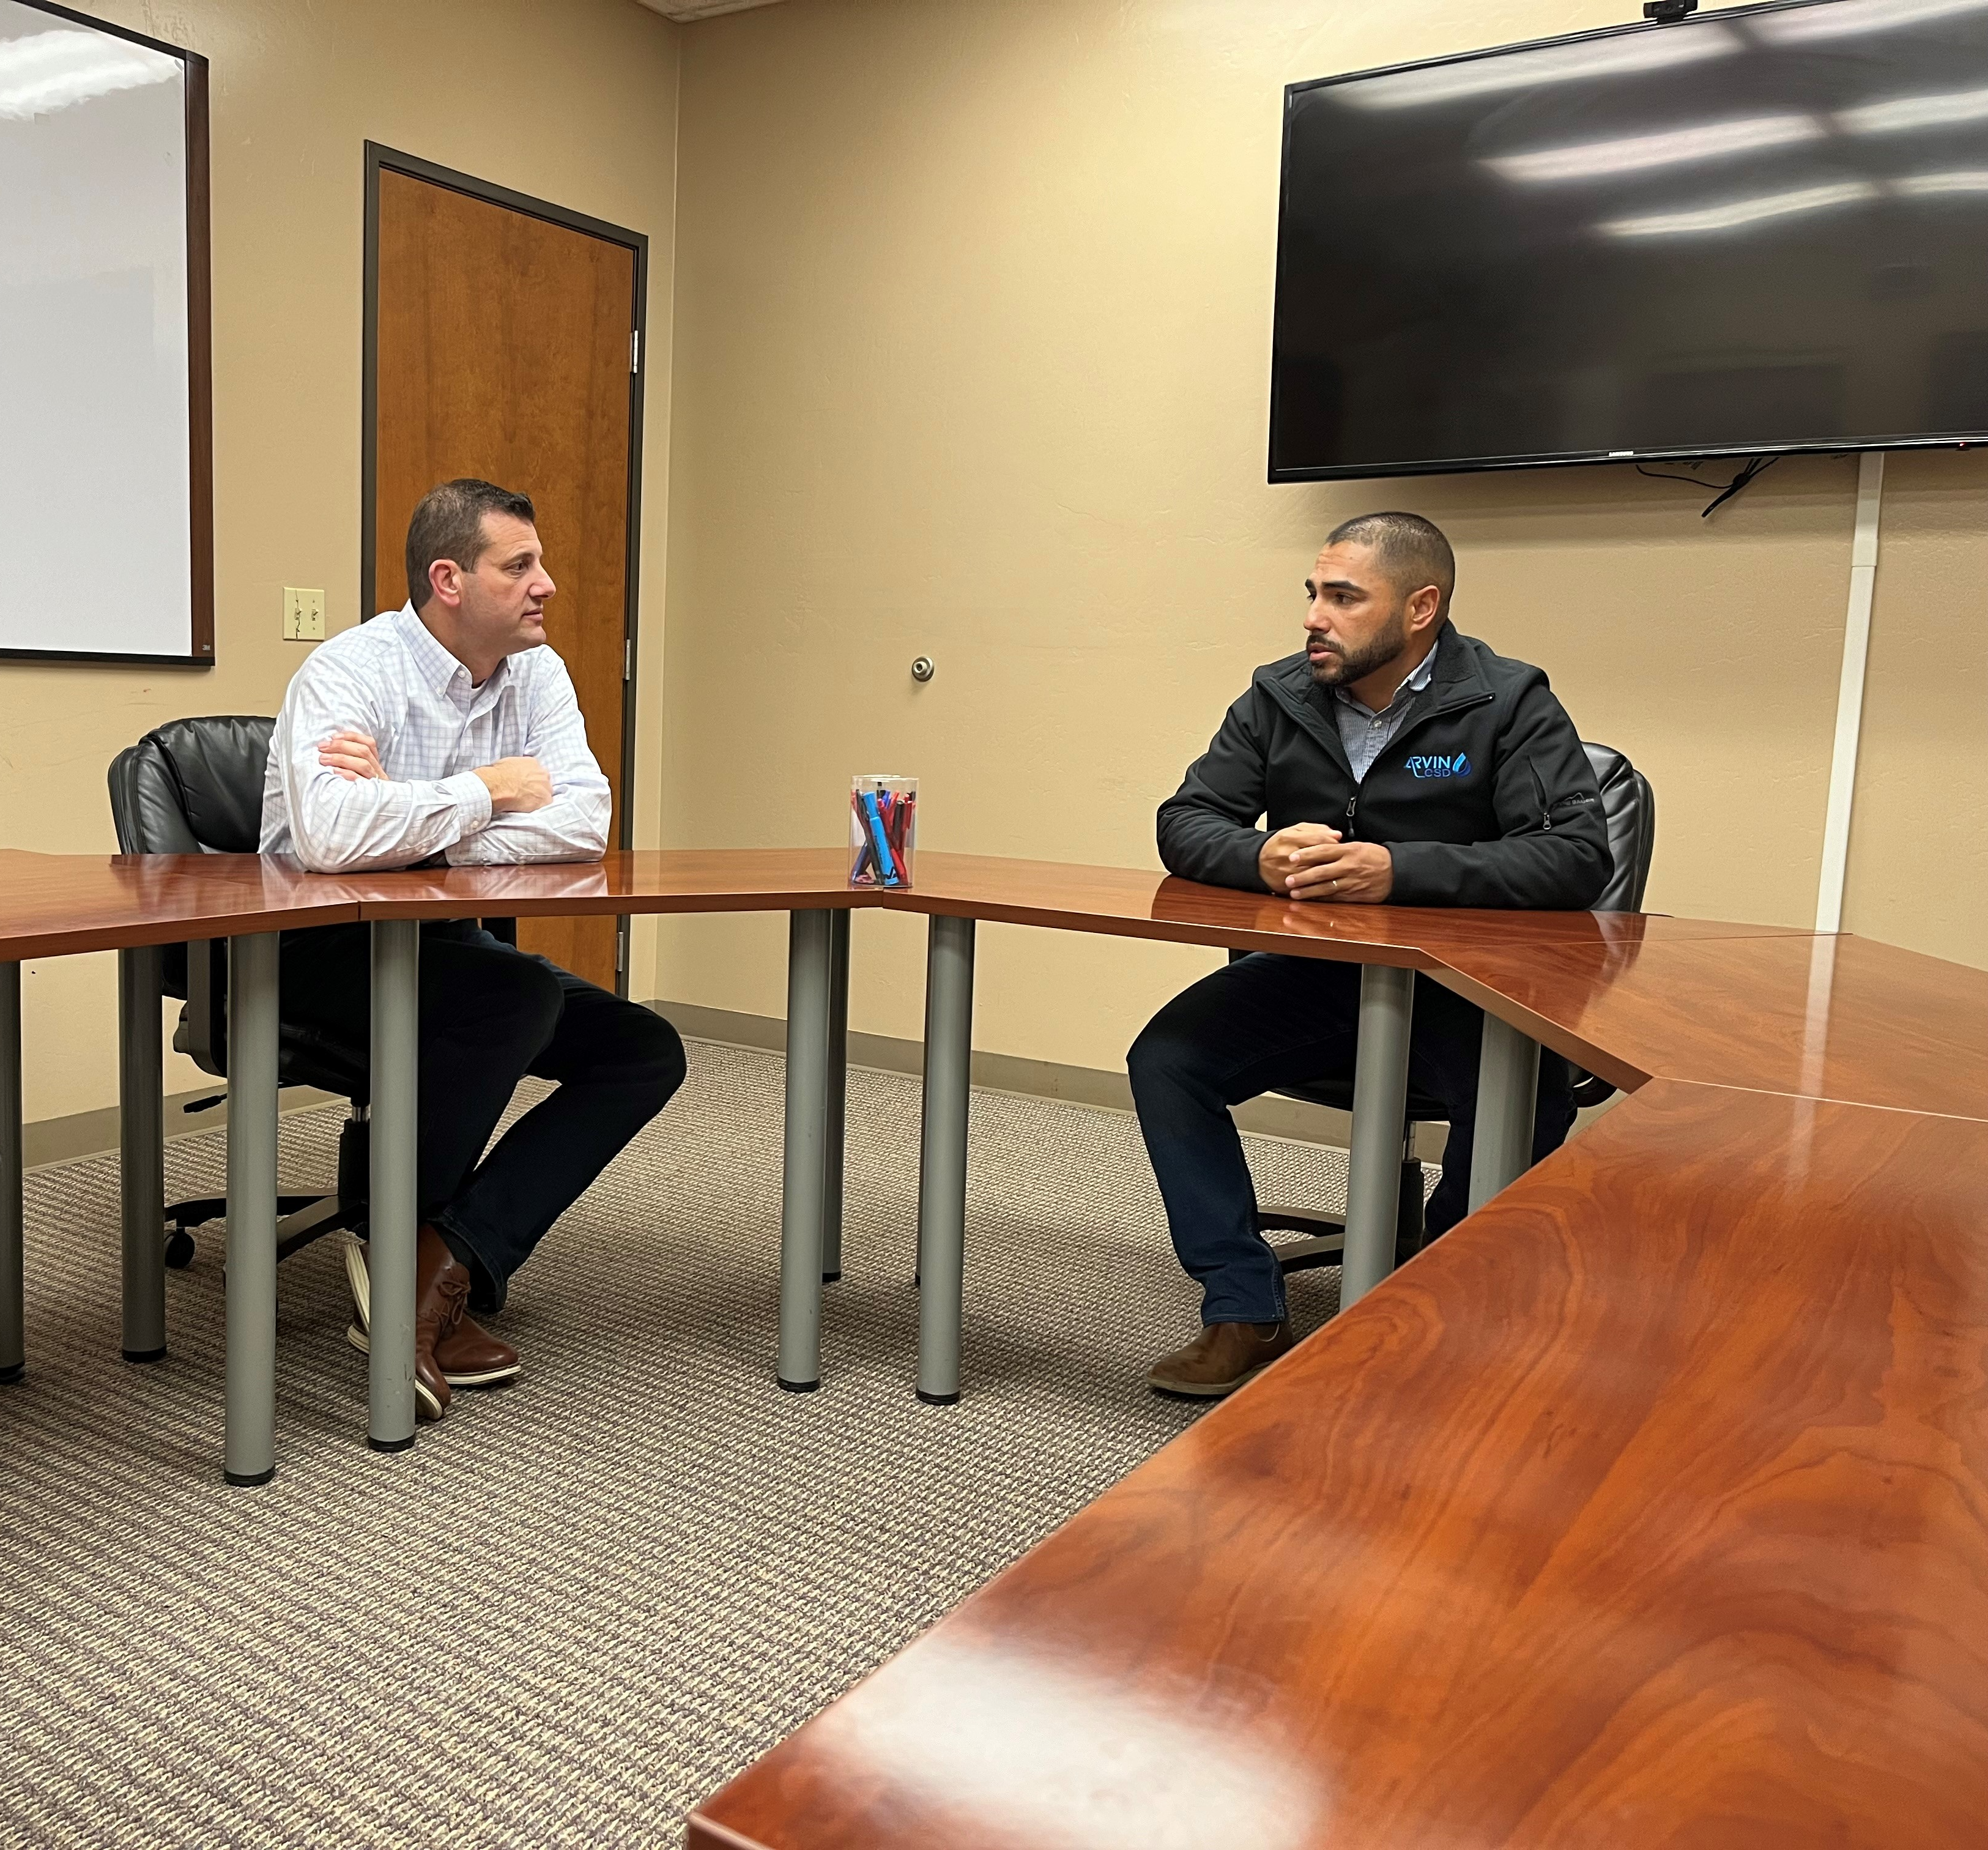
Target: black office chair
{"type": "Point", "coordinates": [194, 787]}
{"type": "Point", "coordinates": [1630, 808]}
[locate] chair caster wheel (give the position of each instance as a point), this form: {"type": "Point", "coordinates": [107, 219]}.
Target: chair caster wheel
{"type": "Point", "coordinates": [179, 1248]}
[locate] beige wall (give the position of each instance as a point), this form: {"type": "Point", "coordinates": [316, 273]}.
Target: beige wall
{"type": "Point", "coordinates": [973, 321]}
{"type": "Point", "coordinates": [572, 100]}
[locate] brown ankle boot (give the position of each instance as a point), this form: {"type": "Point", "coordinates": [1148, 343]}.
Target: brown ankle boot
{"type": "Point", "coordinates": [470, 1356]}
{"type": "Point", "coordinates": [1220, 1359]}
{"type": "Point", "coordinates": [441, 1288]}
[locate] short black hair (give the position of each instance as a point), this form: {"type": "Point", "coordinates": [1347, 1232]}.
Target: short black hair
{"type": "Point", "coordinates": [448, 523]}
{"type": "Point", "coordinates": [1411, 550]}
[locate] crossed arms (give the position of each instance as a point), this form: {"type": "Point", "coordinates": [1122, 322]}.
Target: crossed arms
{"type": "Point", "coordinates": [348, 814]}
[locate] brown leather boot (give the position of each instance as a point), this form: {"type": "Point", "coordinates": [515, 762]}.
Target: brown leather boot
{"type": "Point", "coordinates": [441, 1288]}
{"type": "Point", "coordinates": [470, 1356]}
{"type": "Point", "coordinates": [1220, 1359]}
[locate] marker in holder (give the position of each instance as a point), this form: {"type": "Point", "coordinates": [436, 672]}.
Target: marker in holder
{"type": "Point", "coordinates": [883, 830]}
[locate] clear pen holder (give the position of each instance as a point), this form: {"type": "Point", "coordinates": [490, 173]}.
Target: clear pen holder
{"type": "Point", "coordinates": [883, 830]}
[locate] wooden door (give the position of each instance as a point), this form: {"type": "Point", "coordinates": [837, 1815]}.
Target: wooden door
{"type": "Point", "coordinates": [503, 348]}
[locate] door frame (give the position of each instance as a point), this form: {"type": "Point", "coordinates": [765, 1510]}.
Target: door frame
{"type": "Point", "coordinates": [379, 156]}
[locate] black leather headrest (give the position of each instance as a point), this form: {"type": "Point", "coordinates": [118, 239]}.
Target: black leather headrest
{"type": "Point", "coordinates": [1629, 807]}
{"type": "Point", "coordinates": [192, 786]}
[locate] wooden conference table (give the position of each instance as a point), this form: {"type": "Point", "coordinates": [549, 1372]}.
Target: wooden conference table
{"type": "Point", "coordinates": [1648, 1507]}
{"type": "Point", "coordinates": [59, 905]}
{"type": "Point", "coordinates": [1608, 990]}
{"type": "Point", "coordinates": [55, 905]}
{"type": "Point", "coordinates": [52, 904]}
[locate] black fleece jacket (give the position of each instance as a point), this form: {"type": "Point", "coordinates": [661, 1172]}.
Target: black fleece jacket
{"type": "Point", "coordinates": [1484, 796]}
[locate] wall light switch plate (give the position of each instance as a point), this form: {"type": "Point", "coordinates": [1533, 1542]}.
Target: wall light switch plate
{"type": "Point", "coordinates": [303, 615]}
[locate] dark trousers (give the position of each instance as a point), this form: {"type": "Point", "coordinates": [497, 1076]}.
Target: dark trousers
{"type": "Point", "coordinates": [1265, 1022]}
{"type": "Point", "coordinates": [489, 1015]}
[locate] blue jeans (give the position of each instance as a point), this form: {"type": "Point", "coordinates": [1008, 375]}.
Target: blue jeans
{"type": "Point", "coordinates": [1265, 1022]}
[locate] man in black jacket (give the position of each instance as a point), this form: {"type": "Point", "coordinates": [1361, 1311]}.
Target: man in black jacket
{"type": "Point", "coordinates": [1393, 760]}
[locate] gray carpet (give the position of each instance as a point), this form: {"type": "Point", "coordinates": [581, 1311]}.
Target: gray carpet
{"type": "Point", "coordinates": [584, 1602]}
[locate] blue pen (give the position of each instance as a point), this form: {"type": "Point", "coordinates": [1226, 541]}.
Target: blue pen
{"type": "Point", "coordinates": [886, 865]}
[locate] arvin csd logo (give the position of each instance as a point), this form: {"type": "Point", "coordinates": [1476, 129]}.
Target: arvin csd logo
{"type": "Point", "coordinates": [1451, 764]}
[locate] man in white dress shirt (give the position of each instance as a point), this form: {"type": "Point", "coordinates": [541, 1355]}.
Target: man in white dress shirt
{"type": "Point", "coordinates": [447, 731]}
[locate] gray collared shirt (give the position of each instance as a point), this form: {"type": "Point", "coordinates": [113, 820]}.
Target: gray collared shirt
{"type": "Point", "coordinates": [1367, 734]}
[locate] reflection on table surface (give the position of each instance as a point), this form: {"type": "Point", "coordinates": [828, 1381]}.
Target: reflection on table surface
{"type": "Point", "coordinates": [52, 905]}
{"type": "Point", "coordinates": [1841, 1017]}
{"type": "Point", "coordinates": [1678, 1440]}
{"type": "Point", "coordinates": [640, 880]}
{"type": "Point", "coordinates": [1629, 996]}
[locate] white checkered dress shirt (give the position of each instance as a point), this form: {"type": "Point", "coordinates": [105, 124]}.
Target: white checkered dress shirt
{"type": "Point", "coordinates": [391, 679]}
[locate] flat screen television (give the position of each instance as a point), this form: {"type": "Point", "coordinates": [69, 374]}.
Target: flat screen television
{"type": "Point", "coordinates": [1752, 232]}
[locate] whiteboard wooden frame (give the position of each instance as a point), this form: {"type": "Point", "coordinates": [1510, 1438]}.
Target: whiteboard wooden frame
{"type": "Point", "coordinates": [200, 359]}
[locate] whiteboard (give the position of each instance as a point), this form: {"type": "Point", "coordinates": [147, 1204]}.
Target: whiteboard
{"type": "Point", "coordinates": [104, 424]}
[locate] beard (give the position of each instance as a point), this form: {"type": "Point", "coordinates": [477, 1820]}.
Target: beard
{"type": "Point", "coordinates": [1341, 669]}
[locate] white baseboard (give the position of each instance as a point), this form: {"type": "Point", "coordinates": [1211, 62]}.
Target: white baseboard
{"type": "Point", "coordinates": [92, 1133]}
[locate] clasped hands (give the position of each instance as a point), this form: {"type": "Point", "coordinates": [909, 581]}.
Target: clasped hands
{"type": "Point", "coordinates": [1308, 860]}
{"type": "Point", "coordinates": [517, 785]}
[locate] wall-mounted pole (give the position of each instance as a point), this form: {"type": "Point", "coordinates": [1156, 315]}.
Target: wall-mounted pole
{"type": "Point", "coordinates": [1850, 693]}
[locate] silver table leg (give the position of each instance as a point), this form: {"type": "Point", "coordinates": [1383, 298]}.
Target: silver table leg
{"type": "Point", "coordinates": [13, 1282]}
{"type": "Point", "coordinates": [1508, 1081]}
{"type": "Point", "coordinates": [142, 1153]}
{"type": "Point", "coordinates": [250, 1456]}
{"type": "Point", "coordinates": [810, 961]}
{"type": "Point", "coordinates": [942, 1157]}
{"type": "Point", "coordinates": [837, 1100]}
{"type": "Point", "coordinates": [392, 1212]}
{"type": "Point", "coordinates": [1380, 1112]}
